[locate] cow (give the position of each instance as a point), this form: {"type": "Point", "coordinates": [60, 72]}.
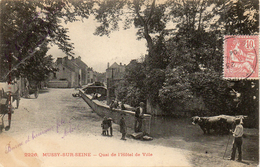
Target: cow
{"type": "Point", "coordinates": [220, 124]}
{"type": "Point", "coordinates": [202, 122]}
{"type": "Point", "coordinates": [230, 122]}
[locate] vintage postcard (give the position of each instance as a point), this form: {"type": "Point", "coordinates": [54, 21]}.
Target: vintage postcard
{"type": "Point", "coordinates": [129, 83]}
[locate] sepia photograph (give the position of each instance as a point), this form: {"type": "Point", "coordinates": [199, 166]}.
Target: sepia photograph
{"type": "Point", "coordinates": [129, 83]}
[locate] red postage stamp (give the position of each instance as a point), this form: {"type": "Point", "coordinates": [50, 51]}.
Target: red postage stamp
{"type": "Point", "coordinates": [241, 57]}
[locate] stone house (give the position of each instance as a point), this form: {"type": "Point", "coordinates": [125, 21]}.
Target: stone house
{"type": "Point", "coordinates": [114, 74]}
{"type": "Point", "coordinates": [67, 76]}
{"type": "Point", "coordinates": [83, 80]}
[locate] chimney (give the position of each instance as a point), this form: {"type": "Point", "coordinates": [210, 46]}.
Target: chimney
{"type": "Point", "coordinates": [107, 65]}
{"type": "Point", "coordinates": [120, 64]}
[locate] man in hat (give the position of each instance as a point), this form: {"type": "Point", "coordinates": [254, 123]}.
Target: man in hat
{"type": "Point", "coordinates": [122, 126]}
{"type": "Point", "coordinates": [139, 115]}
{"type": "Point", "coordinates": [237, 143]}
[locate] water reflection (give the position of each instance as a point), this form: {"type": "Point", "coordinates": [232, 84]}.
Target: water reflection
{"type": "Point", "coordinates": [170, 126]}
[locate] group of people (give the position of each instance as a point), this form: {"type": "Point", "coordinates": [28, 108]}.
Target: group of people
{"type": "Point", "coordinates": [107, 124]}
{"type": "Point", "coordinates": [115, 104]}
{"type": "Point", "coordinates": [139, 115]}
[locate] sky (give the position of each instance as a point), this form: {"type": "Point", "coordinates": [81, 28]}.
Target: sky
{"type": "Point", "coordinates": [122, 46]}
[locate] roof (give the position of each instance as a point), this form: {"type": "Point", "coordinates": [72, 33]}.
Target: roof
{"type": "Point", "coordinates": [68, 64]}
{"type": "Point", "coordinates": [114, 65]}
{"type": "Point", "coordinates": [80, 63]}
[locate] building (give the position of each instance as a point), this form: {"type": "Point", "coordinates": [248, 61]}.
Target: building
{"type": "Point", "coordinates": [115, 71]}
{"type": "Point", "coordinates": [68, 74]}
{"type": "Point", "coordinates": [91, 75]}
{"type": "Point", "coordinates": [114, 74]}
{"type": "Point", "coordinates": [82, 70]}
{"type": "Point", "coordinates": [101, 77]}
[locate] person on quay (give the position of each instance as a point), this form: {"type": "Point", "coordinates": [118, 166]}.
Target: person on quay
{"type": "Point", "coordinates": [105, 126]}
{"type": "Point", "coordinates": [110, 122]}
{"type": "Point", "coordinates": [237, 142]}
{"type": "Point", "coordinates": [139, 115]}
{"type": "Point", "coordinates": [123, 128]}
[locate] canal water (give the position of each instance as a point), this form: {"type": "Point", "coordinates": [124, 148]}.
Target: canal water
{"type": "Point", "coordinates": [162, 127]}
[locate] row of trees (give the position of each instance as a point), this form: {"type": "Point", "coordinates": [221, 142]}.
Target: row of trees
{"type": "Point", "coordinates": [186, 62]}
{"type": "Point", "coordinates": [184, 42]}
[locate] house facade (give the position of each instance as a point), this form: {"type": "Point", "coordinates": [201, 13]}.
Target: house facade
{"type": "Point", "coordinates": [91, 75]}
{"type": "Point", "coordinates": [67, 76]}
{"type": "Point", "coordinates": [82, 70]}
{"type": "Point", "coordinates": [114, 74]}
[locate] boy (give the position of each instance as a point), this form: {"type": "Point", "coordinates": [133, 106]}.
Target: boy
{"type": "Point", "coordinates": [105, 126]}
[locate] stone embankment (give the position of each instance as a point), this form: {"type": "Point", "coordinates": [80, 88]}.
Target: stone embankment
{"type": "Point", "coordinates": [104, 110]}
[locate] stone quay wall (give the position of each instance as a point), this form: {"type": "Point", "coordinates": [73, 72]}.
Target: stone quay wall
{"type": "Point", "coordinates": [103, 110]}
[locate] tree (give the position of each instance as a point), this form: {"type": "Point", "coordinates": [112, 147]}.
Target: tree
{"type": "Point", "coordinates": [176, 89]}
{"type": "Point", "coordinates": [198, 51]}
{"type": "Point", "coordinates": [193, 50]}
{"type": "Point", "coordinates": [154, 82]}
{"type": "Point", "coordinates": [27, 25]}
{"type": "Point", "coordinates": [149, 18]}
{"type": "Point", "coordinates": [135, 83]}
{"type": "Point", "coordinates": [239, 18]}
{"type": "Point", "coordinates": [38, 67]}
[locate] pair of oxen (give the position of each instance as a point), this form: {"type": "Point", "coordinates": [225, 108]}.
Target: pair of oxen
{"type": "Point", "coordinates": [221, 124]}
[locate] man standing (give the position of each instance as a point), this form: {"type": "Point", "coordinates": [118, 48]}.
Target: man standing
{"type": "Point", "coordinates": [139, 115]}
{"type": "Point", "coordinates": [122, 127]}
{"type": "Point", "coordinates": [237, 143]}
{"type": "Point", "coordinates": [110, 126]}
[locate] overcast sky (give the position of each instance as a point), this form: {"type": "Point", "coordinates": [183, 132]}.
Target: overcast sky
{"type": "Point", "coordinates": [122, 46]}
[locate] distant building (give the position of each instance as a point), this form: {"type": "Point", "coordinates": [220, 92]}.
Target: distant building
{"type": "Point", "coordinates": [101, 77]}
{"type": "Point", "coordinates": [82, 70]}
{"type": "Point", "coordinates": [114, 74]}
{"type": "Point", "coordinates": [67, 76]}
{"type": "Point", "coordinates": [91, 75]}
{"type": "Point", "coordinates": [115, 71]}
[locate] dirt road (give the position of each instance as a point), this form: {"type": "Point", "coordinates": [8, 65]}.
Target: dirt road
{"type": "Point", "coordinates": [60, 130]}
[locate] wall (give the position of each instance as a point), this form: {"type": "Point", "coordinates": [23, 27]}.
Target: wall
{"type": "Point", "coordinates": [58, 84]}
{"type": "Point", "coordinates": [103, 110]}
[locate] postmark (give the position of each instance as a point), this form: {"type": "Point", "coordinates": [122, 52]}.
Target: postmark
{"type": "Point", "coordinates": [241, 57]}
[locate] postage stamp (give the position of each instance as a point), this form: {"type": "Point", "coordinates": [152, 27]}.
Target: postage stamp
{"type": "Point", "coordinates": [241, 57]}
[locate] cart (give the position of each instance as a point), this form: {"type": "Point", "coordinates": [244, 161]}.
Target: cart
{"type": "Point", "coordinates": [32, 88]}
{"type": "Point", "coordinates": [5, 109]}
{"type": "Point", "coordinates": [13, 89]}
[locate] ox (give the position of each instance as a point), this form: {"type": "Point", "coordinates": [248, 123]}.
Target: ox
{"type": "Point", "coordinates": [229, 124]}
{"type": "Point", "coordinates": [220, 124]}
{"type": "Point", "coordinates": [208, 123]}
